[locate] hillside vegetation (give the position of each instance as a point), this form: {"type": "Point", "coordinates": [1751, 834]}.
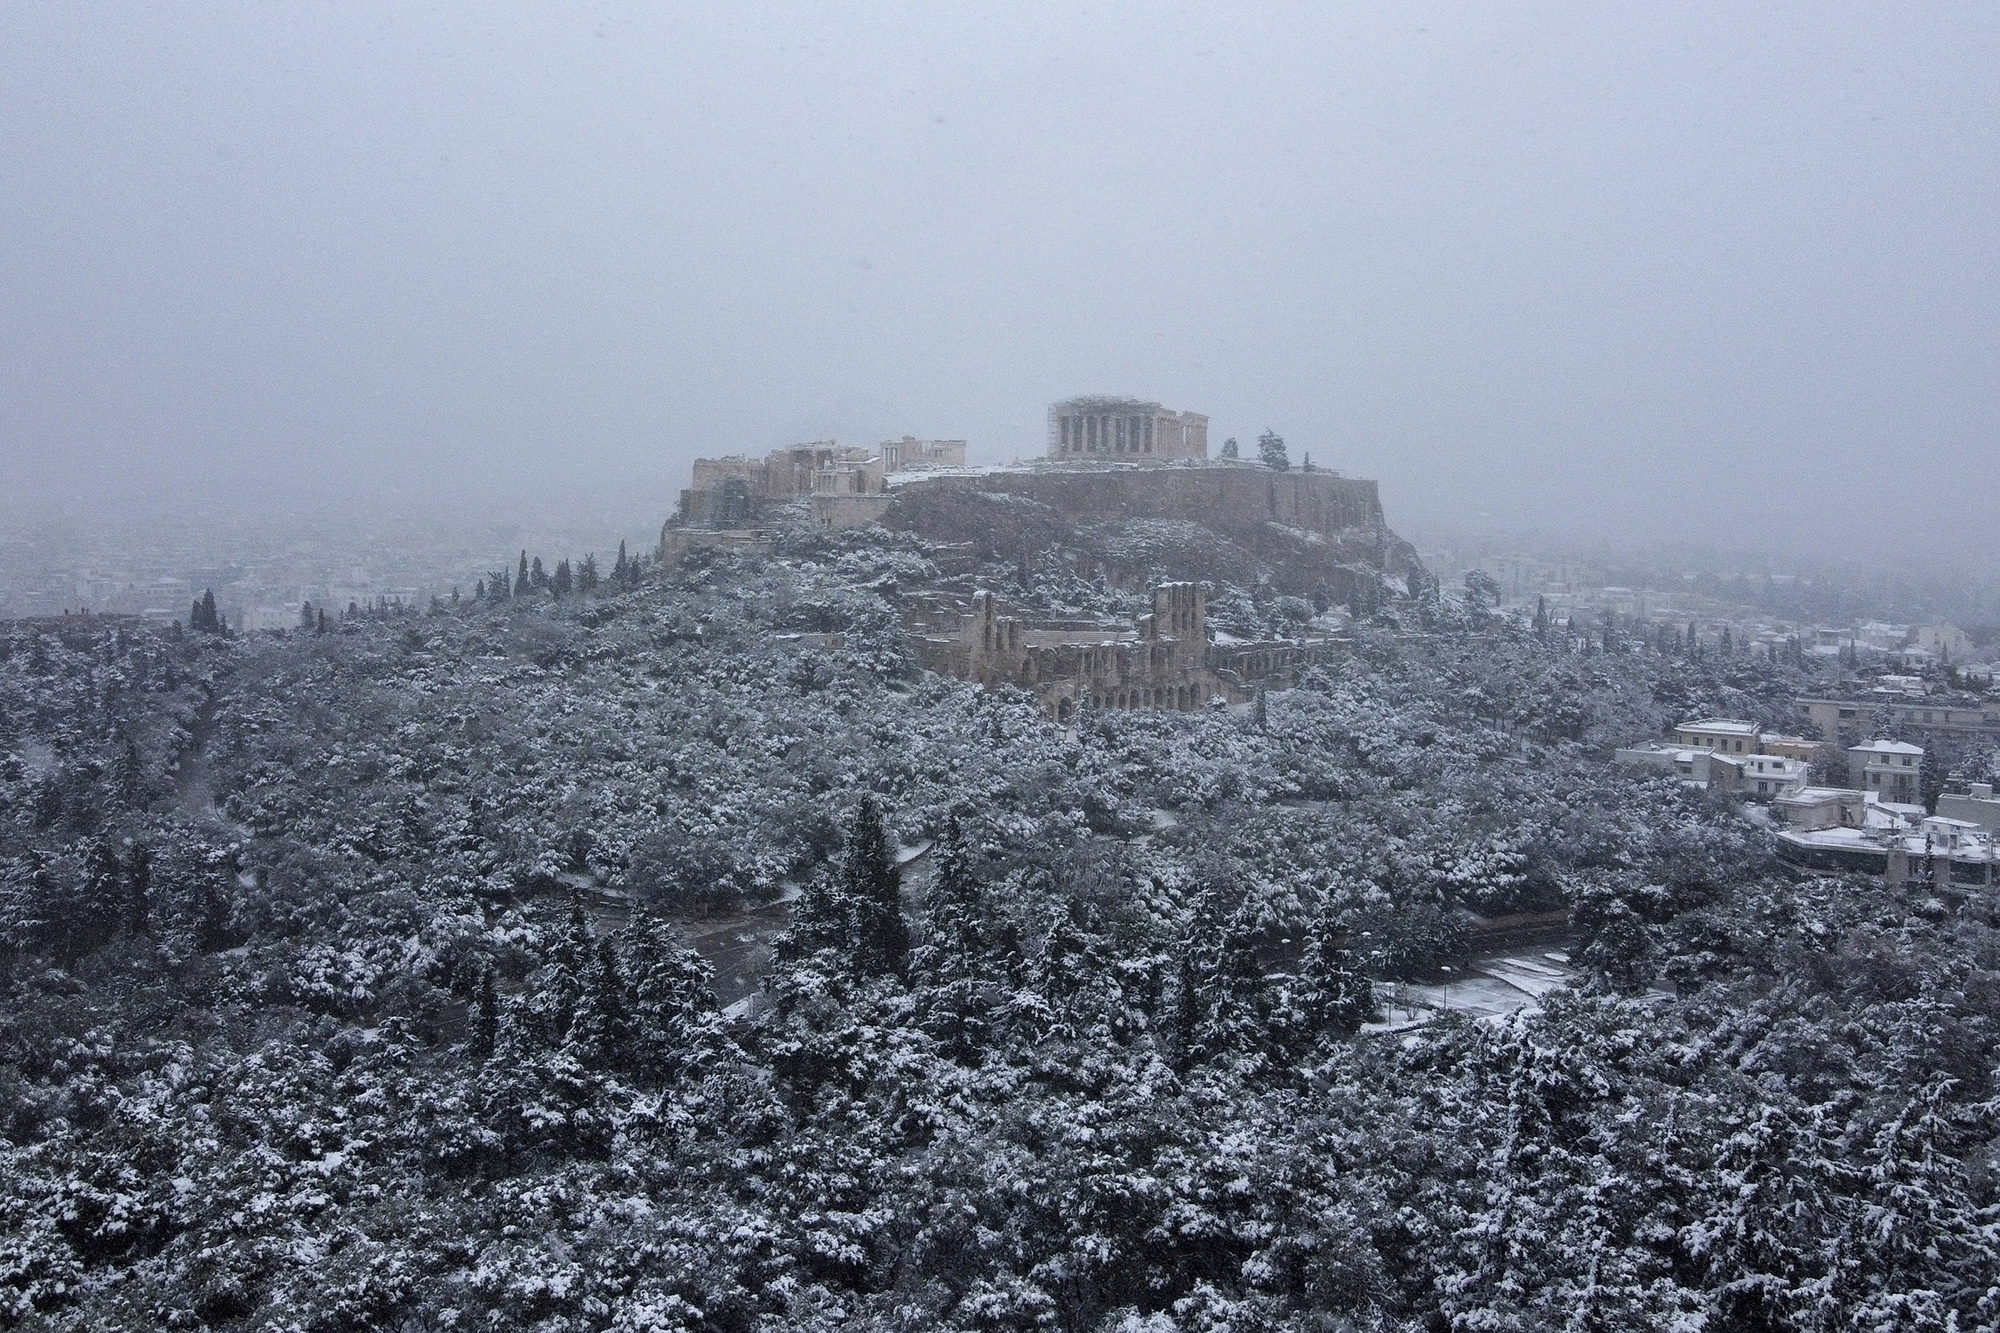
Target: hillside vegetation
{"type": "Point", "coordinates": [313, 1014]}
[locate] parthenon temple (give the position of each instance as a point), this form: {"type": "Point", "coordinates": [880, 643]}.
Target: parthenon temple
{"type": "Point", "coordinates": [1128, 429]}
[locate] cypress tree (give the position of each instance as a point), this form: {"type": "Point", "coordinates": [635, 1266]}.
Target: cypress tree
{"type": "Point", "coordinates": [35, 916]}
{"type": "Point", "coordinates": [951, 907]}
{"type": "Point", "coordinates": [138, 889]}
{"type": "Point", "coordinates": [953, 961]}
{"type": "Point", "coordinates": [131, 774]}
{"type": "Point", "coordinates": [521, 577]}
{"type": "Point", "coordinates": [562, 989]}
{"type": "Point", "coordinates": [672, 999]}
{"type": "Point", "coordinates": [1333, 996]}
{"type": "Point", "coordinates": [203, 615]}
{"type": "Point", "coordinates": [1070, 960]}
{"type": "Point", "coordinates": [1181, 1020]}
{"type": "Point", "coordinates": [556, 999]}
{"type": "Point", "coordinates": [879, 941]}
{"type": "Point", "coordinates": [1238, 1018]}
{"type": "Point", "coordinates": [486, 1021]}
{"type": "Point", "coordinates": [602, 1029]}
{"type": "Point", "coordinates": [101, 906]}
{"type": "Point", "coordinates": [212, 906]}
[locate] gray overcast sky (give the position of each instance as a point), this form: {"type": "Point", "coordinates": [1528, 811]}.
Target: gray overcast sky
{"type": "Point", "coordinates": [1628, 268]}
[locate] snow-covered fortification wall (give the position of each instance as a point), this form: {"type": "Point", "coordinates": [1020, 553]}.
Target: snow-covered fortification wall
{"type": "Point", "coordinates": [1306, 529]}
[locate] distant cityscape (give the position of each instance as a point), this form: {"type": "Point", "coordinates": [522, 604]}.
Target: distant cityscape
{"type": "Point", "coordinates": [263, 572]}
{"type": "Point", "coordinates": [1741, 613]}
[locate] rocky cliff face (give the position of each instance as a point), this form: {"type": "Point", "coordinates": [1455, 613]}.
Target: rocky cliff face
{"type": "Point", "coordinates": [1300, 530]}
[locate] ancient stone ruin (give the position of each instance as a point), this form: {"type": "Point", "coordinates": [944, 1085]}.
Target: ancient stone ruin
{"type": "Point", "coordinates": [1128, 497]}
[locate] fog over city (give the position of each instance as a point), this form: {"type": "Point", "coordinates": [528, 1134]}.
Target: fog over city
{"type": "Point", "coordinates": [774, 668]}
{"type": "Point", "coordinates": [1638, 271]}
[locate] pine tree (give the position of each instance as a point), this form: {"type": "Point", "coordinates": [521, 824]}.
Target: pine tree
{"type": "Point", "coordinates": [305, 615]}
{"type": "Point", "coordinates": [586, 575]}
{"type": "Point", "coordinates": [538, 578]}
{"type": "Point", "coordinates": [1271, 451]}
{"type": "Point", "coordinates": [562, 580]}
{"type": "Point", "coordinates": [879, 940]}
{"type": "Point", "coordinates": [1229, 448]}
{"type": "Point", "coordinates": [622, 570]}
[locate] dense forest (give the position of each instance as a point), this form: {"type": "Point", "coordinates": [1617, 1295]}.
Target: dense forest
{"type": "Point", "coordinates": [343, 985]}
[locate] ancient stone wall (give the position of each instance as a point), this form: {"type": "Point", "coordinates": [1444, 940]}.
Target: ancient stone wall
{"type": "Point", "coordinates": [1161, 664]}
{"type": "Point", "coordinates": [1307, 530]}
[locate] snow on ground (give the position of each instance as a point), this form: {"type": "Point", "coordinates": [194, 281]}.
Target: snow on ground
{"type": "Point", "coordinates": [1489, 988]}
